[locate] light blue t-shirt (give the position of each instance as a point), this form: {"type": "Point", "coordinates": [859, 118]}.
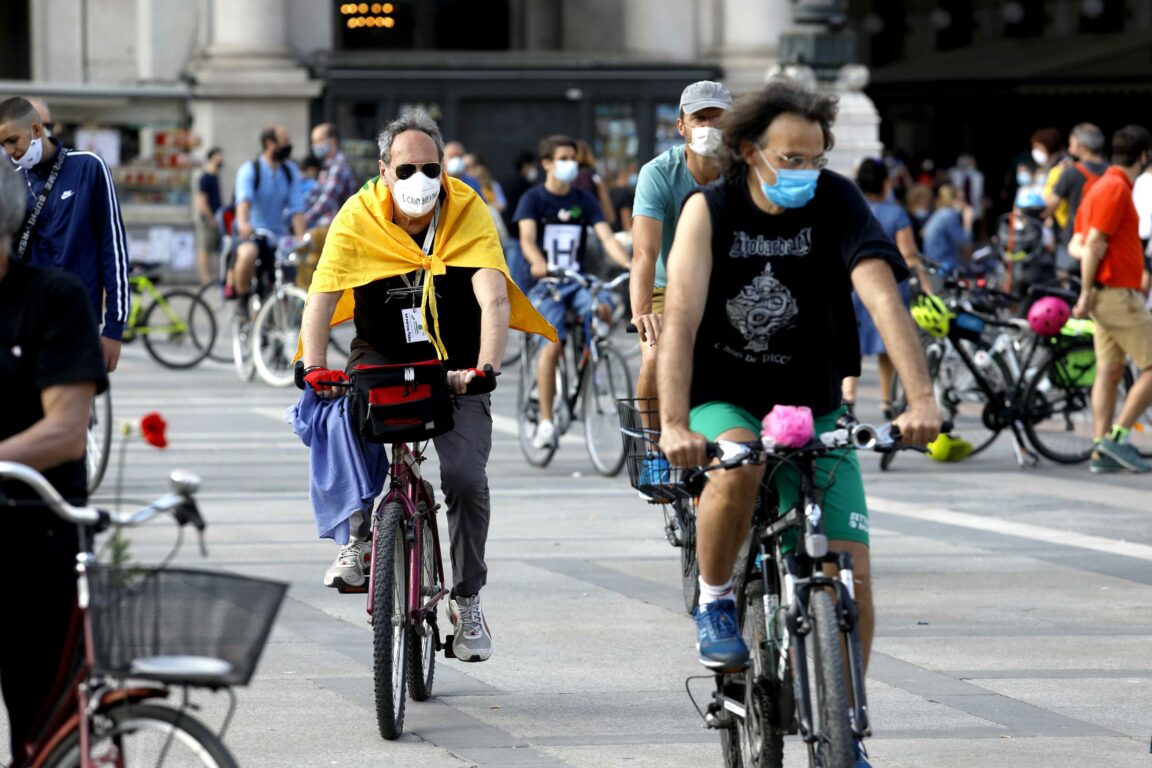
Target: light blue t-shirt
{"type": "Point", "coordinates": [661, 187]}
{"type": "Point", "coordinates": [944, 237]}
{"type": "Point", "coordinates": [276, 200]}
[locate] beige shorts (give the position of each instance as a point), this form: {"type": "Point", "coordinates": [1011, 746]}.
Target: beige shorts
{"type": "Point", "coordinates": [1123, 327]}
{"type": "Point", "coordinates": [657, 301]}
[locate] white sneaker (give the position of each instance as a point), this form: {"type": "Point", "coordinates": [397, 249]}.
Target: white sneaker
{"type": "Point", "coordinates": [545, 436]}
{"type": "Point", "coordinates": [348, 568]}
{"type": "Point", "coordinates": [471, 640]}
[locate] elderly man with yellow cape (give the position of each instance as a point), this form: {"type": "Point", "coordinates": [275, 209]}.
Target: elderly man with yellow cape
{"type": "Point", "coordinates": [415, 260]}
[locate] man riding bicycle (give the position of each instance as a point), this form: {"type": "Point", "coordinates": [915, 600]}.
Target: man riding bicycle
{"type": "Point", "coordinates": [415, 260]}
{"type": "Point", "coordinates": [554, 219]}
{"type": "Point", "coordinates": [759, 313]}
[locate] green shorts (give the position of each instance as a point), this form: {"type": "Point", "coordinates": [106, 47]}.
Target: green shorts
{"type": "Point", "coordinates": [845, 510]}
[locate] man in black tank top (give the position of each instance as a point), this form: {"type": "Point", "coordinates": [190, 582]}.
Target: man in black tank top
{"type": "Point", "coordinates": [759, 313]}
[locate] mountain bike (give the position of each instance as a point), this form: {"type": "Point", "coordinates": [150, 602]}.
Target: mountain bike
{"type": "Point", "coordinates": [795, 603]}
{"type": "Point", "coordinates": [1037, 387]}
{"type": "Point", "coordinates": [177, 327]}
{"type": "Point", "coordinates": [153, 633]}
{"type": "Point", "coordinates": [591, 375]}
{"type": "Point", "coordinates": [405, 579]}
{"type": "Point", "coordinates": [99, 440]}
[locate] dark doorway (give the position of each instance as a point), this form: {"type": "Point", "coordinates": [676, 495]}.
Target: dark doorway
{"type": "Point", "coordinates": [497, 128]}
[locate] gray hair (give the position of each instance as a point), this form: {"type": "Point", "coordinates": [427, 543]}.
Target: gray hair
{"type": "Point", "coordinates": [1090, 137]}
{"type": "Point", "coordinates": [409, 120]}
{"type": "Point", "coordinates": [13, 199]}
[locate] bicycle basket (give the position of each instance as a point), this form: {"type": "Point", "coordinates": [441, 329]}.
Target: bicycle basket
{"type": "Point", "coordinates": [648, 469]}
{"type": "Point", "coordinates": [185, 626]}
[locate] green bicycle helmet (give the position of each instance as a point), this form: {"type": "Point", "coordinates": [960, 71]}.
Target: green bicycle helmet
{"type": "Point", "coordinates": [932, 315]}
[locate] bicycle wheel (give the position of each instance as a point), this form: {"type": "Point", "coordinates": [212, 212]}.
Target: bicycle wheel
{"type": "Point", "coordinates": [761, 739]}
{"type": "Point", "coordinates": [1058, 407]}
{"type": "Point", "coordinates": [144, 734]}
{"type": "Point", "coordinates": [179, 329]}
{"type": "Point", "coordinates": [276, 334]}
{"type": "Point", "coordinates": [422, 640]}
{"type": "Point", "coordinates": [212, 294]}
{"type": "Point", "coordinates": [685, 510]}
{"type": "Point", "coordinates": [390, 619]}
{"type": "Point", "coordinates": [832, 727]}
{"type": "Point", "coordinates": [605, 381]}
{"type": "Point", "coordinates": [99, 442]}
{"type": "Point", "coordinates": [528, 407]}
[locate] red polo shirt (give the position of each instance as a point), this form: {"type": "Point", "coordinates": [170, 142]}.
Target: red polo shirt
{"type": "Point", "coordinates": [1108, 207]}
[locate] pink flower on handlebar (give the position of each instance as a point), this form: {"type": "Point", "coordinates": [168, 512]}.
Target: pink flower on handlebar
{"type": "Point", "coordinates": [790, 426]}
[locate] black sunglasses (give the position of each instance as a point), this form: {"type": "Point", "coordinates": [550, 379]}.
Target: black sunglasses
{"type": "Point", "coordinates": [431, 170]}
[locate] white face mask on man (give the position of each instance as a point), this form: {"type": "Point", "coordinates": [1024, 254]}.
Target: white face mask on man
{"type": "Point", "coordinates": [416, 195]}
{"type": "Point", "coordinates": [32, 156]}
{"type": "Point", "coordinates": [706, 141]}
{"type": "Point", "coordinates": [566, 170]}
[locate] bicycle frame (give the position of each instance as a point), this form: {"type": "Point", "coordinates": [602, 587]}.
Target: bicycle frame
{"type": "Point", "coordinates": [406, 488]}
{"type": "Point", "coordinates": [143, 285]}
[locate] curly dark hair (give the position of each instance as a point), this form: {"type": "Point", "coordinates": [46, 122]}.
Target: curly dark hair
{"type": "Point", "coordinates": [752, 114]}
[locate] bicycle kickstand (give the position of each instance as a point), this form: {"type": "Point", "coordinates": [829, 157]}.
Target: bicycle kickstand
{"type": "Point", "coordinates": [1025, 456]}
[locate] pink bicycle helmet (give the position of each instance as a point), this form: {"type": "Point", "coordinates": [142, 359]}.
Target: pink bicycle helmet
{"type": "Point", "coordinates": [1047, 316]}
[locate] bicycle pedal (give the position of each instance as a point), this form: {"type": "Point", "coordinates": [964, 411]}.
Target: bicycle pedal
{"type": "Point", "coordinates": [448, 652]}
{"type": "Point", "coordinates": [346, 590]}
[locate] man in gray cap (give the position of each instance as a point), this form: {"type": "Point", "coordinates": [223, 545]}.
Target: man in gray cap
{"type": "Point", "coordinates": [662, 185]}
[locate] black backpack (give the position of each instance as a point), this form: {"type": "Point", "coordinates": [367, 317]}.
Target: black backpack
{"type": "Point", "coordinates": [288, 175]}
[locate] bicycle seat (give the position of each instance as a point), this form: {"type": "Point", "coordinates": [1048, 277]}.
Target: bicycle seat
{"type": "Point", "coordinates": [200, 670]}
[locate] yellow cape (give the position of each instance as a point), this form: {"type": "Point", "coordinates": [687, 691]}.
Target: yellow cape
{"type": "Point", "coordinates": [364, 245]}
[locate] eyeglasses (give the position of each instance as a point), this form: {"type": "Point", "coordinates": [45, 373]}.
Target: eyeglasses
{"type": "Point", "coordinates": [431, 170]}
{"type": "Point", "coordinates": [800, 163]}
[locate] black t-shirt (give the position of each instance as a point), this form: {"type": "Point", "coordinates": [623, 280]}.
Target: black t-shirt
{"type": "Point", "coordinates": [210, 186]}
{"type": "Point", "coordinates": [562, 223]}
{"type": "Point", "coordinates": [380, 322]}
{"type": "Point", "coordinates": [1070, 187]}
{"type": "Point", "coordinates": [778, 325]}
{"type": "Point", "coordinates": [48, 338]}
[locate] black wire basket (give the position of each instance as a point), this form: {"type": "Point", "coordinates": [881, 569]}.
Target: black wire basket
{"type": "Point", "coordinates": [183, 626]}
{"type": "Point", "coordinates": [648, 469]}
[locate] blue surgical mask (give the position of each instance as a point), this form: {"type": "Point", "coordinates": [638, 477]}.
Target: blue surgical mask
{"type": "Point", "coordinates": [565, 170]}
{"type": "Point", "coordinates": [1023, 178]}
{"type": "Point", "coordinates": [320, 150]}
{"type": "Point", "coordinates": [793, 189]}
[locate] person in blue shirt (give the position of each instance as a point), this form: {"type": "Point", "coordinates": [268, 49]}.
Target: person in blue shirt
{"type": "Point", "coordinates": [268, 191]}
{"type": "Point", "coordinates": [456, 165]}
{"type": "Point", "coordinates": [947, 238]}
{"type": "Point", "coordinates": [874, 181]}
{"type": "Point", "coordinates": [78, 226]}
{"type": "Point", "coordinates": [554, 219]}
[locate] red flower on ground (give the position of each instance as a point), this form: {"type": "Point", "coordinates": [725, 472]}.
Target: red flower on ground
{"type": "Point", "coordinates": [152, 428]}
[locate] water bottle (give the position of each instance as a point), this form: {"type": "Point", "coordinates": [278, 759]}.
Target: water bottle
{"type": "Point", "coordinates": [988, 369]}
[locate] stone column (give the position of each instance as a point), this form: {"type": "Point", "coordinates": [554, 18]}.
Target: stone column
{"type": "Point", "coordinates": [747, 39]}
{"type": "Point", "coordinates": [247, 78]}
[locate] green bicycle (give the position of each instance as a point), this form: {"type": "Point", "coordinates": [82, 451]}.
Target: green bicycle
{"type": "Point", "coordinates": [178, 327]}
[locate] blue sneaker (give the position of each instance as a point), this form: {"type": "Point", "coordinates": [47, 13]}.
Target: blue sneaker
{"type": "Point", "coordinates": [861, 755]}
{"type": "Point", "coordinates": [656, 470]}
{"type": "Point", "coordinates": [718, 637]}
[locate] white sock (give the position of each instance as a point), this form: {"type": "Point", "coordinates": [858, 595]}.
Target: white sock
{"type": "Point", "coordinates": [710, 594]}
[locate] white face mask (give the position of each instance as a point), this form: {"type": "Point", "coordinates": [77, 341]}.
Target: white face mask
{"type": "Point", "coordinates": [565, 170]}
{"type": "Point", "coordinates": [1040, 156]}
{"type": "Point", "coordinates": [31, 158]}
{"type": "Point", "coordinates": [416, 195]}
{"type": "Point", "coordinates": [706, 141]}
{"type": "Point", "coordinates": [454, 165]}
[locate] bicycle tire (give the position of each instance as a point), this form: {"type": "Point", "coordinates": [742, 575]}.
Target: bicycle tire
{"type": "Point", "coordinates": [834, 743]}
{"type": "Point", "coordinates": [99, 441]}
{"type": "Point", "coordinates": [422, 648]}
{"type": "Point", "coordinates": [689, 565]}
{"type": "Point", "coordinates": [190, 329]}
{"type": "Point", "coordinates": [276, 334]}
{"type": "Point", "coordinates": [212, 294]}
{"type": "Point", "coordinates": [390, 620]}
{"type": "Point", "coordinates": [761, 739]}
{"type": "Point", "coordinates": [1058, 402]}
{"type": "Point", "coordinates": [175, 737]}
{"type": "Point", "coordinates": [528, 409]}
{"type": "Point", "coordinates": [242, 349]}
{"type": "Point", "coordinates": [606, 380]}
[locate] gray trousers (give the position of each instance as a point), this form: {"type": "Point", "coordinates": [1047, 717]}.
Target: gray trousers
{"type": "Point", "coordinates": [463, 455]}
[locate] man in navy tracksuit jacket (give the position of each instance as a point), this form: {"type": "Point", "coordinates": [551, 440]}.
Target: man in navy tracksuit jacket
{"type": "Point", "coordinates": [79, 228]}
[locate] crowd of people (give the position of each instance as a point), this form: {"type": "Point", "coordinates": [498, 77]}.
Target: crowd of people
{"type": "Point", "coordinates": [747, 257]}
